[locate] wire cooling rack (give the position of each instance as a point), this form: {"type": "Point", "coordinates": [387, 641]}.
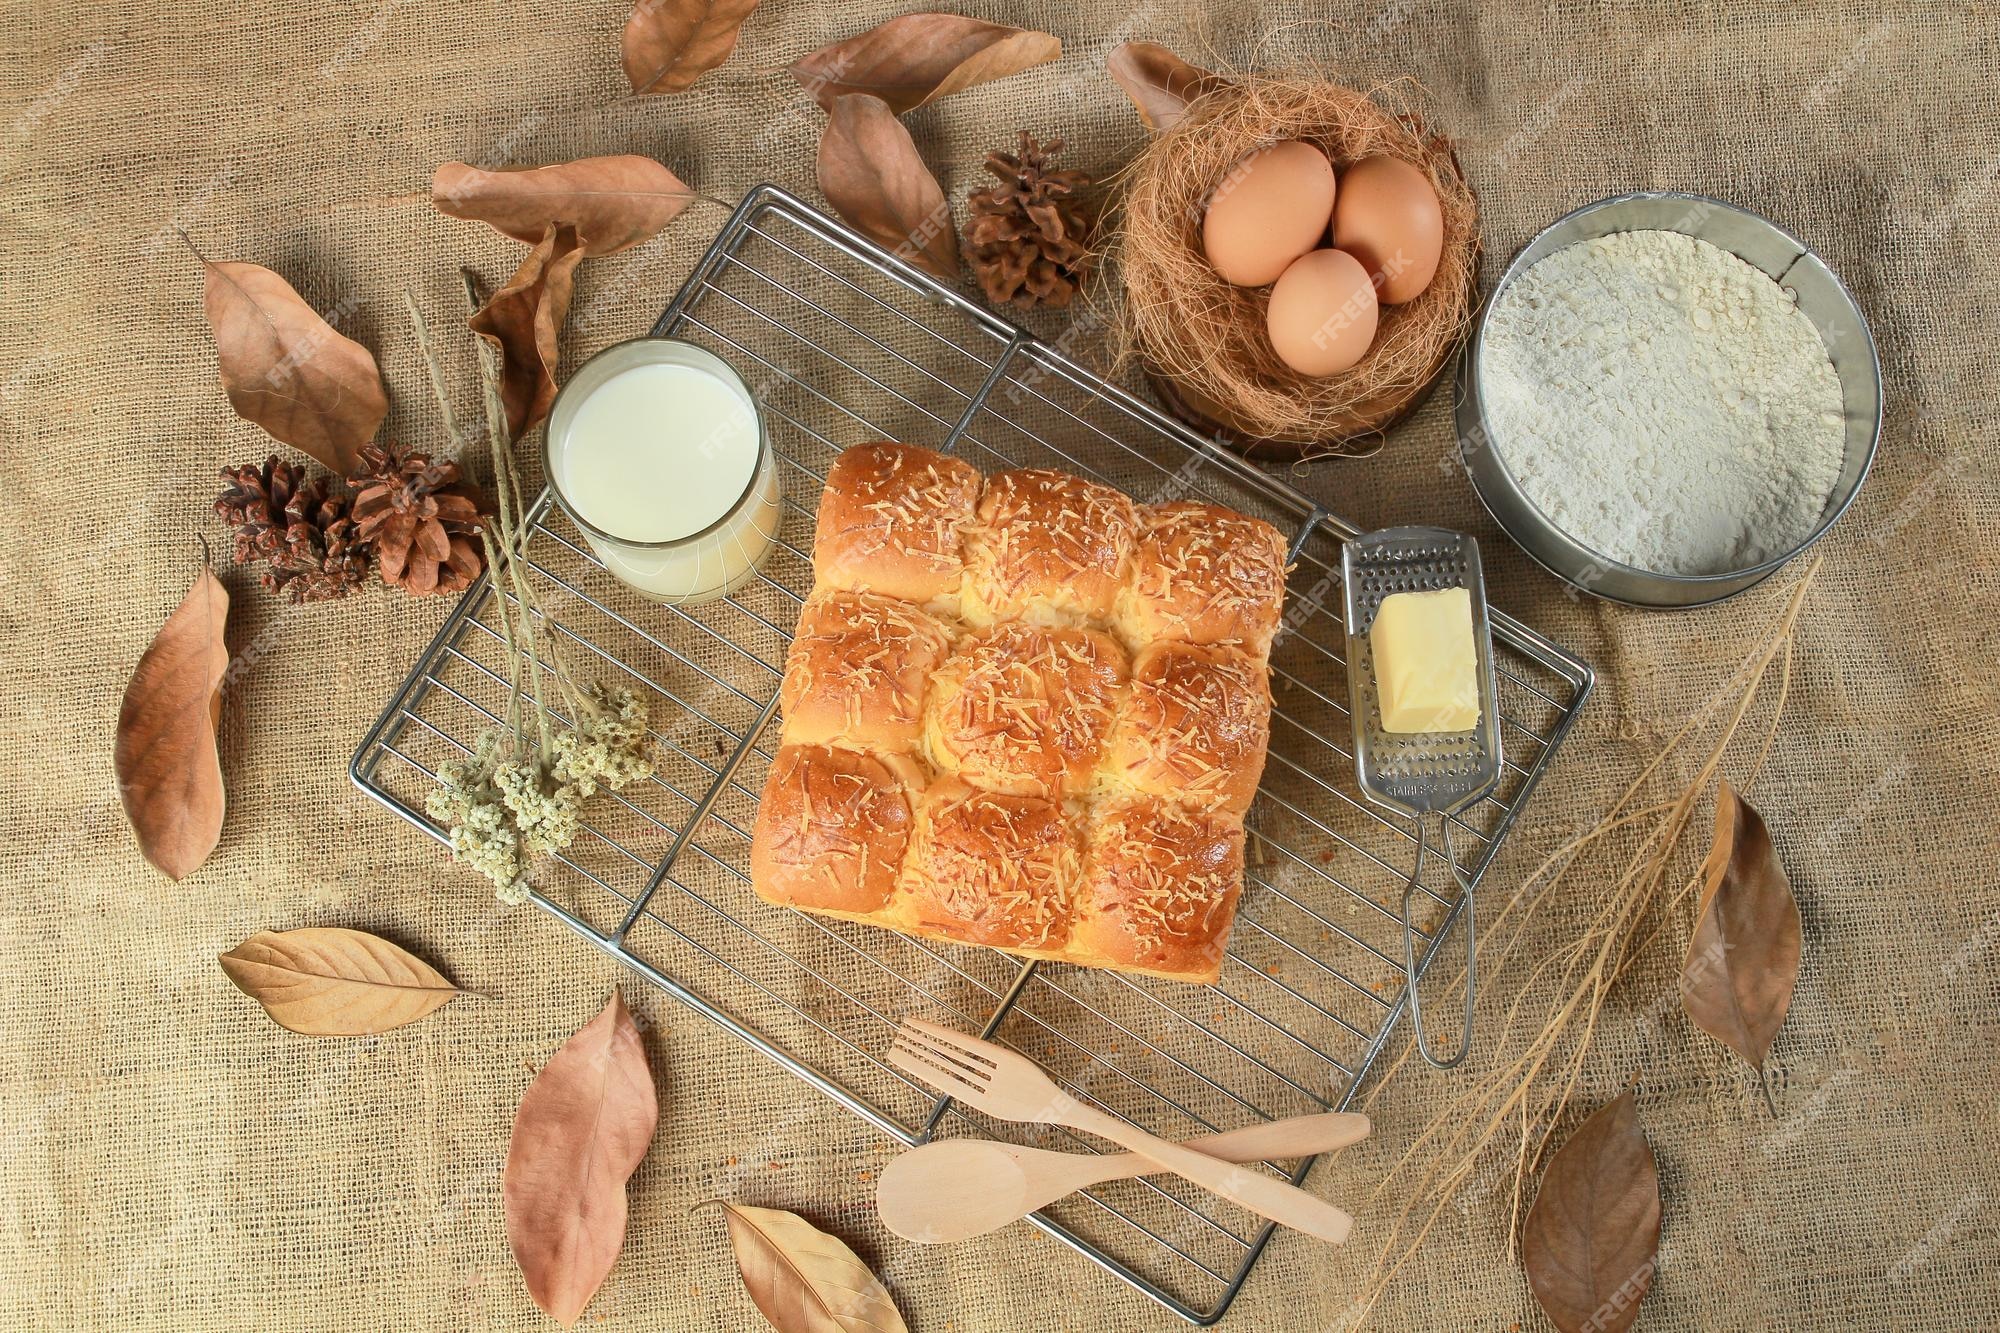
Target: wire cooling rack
{"type": "Point", "coordinates": [844, 343]}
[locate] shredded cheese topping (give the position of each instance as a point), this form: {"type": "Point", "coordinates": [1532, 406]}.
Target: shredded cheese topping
{"type": "Point", "coordinates": [886, 650]}
{"type": "Point", "coordinates": [1164, 872]}
{"type": "Point", "coordinates": [1001, 866]}
{"type": "Point", "coordinates": [1048, 535]}
{"type": "Point", "coordinates": [1205, 574]}
{"type": "Point", "coordinates": [1026, 706]}
{"type": "Point", "coordinates": [850, 810]}
{"type": "Point", "coordinates": [1197, 715]}
{"type": "Point", "coordinates": [901, 501]}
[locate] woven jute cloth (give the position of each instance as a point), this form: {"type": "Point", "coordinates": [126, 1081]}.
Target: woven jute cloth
{"type": "Point", "coordinates": [170, 1159]}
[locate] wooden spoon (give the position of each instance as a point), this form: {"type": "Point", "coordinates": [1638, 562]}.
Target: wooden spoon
{"type": "Point", "coordinates": [955, 1189]}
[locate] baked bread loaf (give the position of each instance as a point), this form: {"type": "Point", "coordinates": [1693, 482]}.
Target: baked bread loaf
{"type": "Point", "coordinates": [858, 670]}
{"type": "Point", "coordinates": [892, 521]}
{"type": "Point", "coordinates": [986, 867]}
{"type": "Point", "coordinates": [1204, 574]}
{"type": "Point", "coordinates": [1047, 546]}
{"type": "Point", "coordinates": [1160, 888]}
{"type": "Point", "coordinates": [833, 828]}
{"type": "Point", "coordinates": [1194, 727]}
{"type": "Point", "coordinates": [1025, 708]}
{"type": "Point", "coordinates": [1023, 711]}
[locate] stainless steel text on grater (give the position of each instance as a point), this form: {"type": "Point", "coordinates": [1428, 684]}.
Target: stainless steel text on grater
{"type": "Point", "coordinates": [1420, 774]}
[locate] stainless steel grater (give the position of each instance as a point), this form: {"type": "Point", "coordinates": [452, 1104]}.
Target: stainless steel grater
{"type": "Point", "coordinates": [1420, 775]}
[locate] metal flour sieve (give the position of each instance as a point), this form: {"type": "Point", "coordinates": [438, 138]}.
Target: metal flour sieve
{"type": "Point", "coordinates": [1758, 242]}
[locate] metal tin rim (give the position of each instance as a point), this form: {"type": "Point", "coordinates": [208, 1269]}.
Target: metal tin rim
{"type": "Point", "coordinates": [1723, 585]}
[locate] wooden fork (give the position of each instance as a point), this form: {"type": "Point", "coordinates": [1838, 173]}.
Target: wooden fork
{"type": "Point", "coordinates": [1009, 1086]}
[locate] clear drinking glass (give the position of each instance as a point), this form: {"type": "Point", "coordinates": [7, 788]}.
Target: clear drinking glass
{"type": "Point", "coordinates": [643, 450]}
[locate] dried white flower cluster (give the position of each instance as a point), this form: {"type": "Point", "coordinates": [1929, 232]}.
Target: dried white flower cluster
{"type": "Point", "coordinates": [502, 809]}
{"type": "Point", "coordinates": [467, 802]}
{"type": "Point", "coordinates": [610, 747]}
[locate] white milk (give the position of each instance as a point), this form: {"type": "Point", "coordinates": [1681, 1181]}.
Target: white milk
{"type": "Point", "coordinates": [655, 446]}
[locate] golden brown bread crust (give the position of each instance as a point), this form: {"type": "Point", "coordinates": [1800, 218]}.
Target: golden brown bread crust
{"type": "Point", "coordinates": [1204, 574]}
{"type": "Point", "coordinates": [891, 521]}
{"type": "Point", "coordinates": [1025, 708]}
{"type": "Point", "coordinates": [1049, 546]}
{"type": "Point", "coordinates": [989, 868]}
{"type": "Point", "coordinates": [831, 830]}
{"type": "Point", "coordinates": [858, 669]}
{"type": "Point", "coordinates": [1160, 886]}
{"type": "Point", "coordinates": [1023, 713]}
{"type": "Point", "coordinates": [1194, 728]}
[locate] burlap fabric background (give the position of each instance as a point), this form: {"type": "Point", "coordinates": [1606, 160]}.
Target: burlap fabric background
{"type": "Point", "coordinates": [171, 1160]}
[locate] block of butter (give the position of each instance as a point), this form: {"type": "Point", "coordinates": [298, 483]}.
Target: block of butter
{"type": "Point", "coordinates": [1426, 668]}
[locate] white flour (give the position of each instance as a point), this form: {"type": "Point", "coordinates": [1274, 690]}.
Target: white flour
{"type": "Point", "coordinates": [1664, 403]}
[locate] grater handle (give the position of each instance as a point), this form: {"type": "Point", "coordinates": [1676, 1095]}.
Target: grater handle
{"type": "Point", "coordinates": [1410, 950]}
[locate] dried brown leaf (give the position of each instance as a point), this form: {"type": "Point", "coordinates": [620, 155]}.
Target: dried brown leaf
{"type": "Point", "coordinates": [1159, 82]}
{"type": "Point", "coordinates": [804, 1280]}
{"type": "Point", "coordinates": [613, 202]}
{"type": "Point", "coordinates": [169, 770]}
{"type": "Point", "coordinates": [584, 1124]}
{"type": "Point", "coordinates": [288, 370]}
{"type": "Point", "coordinates": [870, 172]}
{"type": "Point", "coordinates": [668, 44]}
{"type": "Point", "coordinates": [1590, 1242]}
{"type": "Point", "coordinates": [330, 982]}
{"type": "Point", "coordinates": [1743, 958]}
{"type": "Point", "coordinates": [919, 58]}
{"type": "Point", "coordinates": [524, 320]}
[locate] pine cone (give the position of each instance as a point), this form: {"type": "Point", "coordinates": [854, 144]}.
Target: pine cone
{"type": "Point", "coordinates": [1027, 237]}
{"type": "Point", "coordinates": [253, 504]}
{"type": "Point", "coordinates": [322, 557]}
{"type": "Point", "coordinates": [297, 526]}
{"type": "Point", "coordinates": [423, 523]}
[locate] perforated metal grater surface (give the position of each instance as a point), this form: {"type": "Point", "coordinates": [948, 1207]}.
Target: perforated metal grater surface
{"type": "Point", "coordinates": [844, 343]}
{"type": "Point", "coordinates": [1418, 773]}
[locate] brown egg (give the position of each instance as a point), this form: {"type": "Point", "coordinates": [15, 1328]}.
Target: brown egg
{"type": "Point", "coordinates": [1388, 218]}
{"type": "Point", "coordinates": [1272, 207]}
{"type": "Point", "coordinates": [1323, 313]}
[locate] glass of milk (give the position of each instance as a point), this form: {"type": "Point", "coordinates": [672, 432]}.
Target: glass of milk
{"type": "Point", "coordinates": [656, 449]}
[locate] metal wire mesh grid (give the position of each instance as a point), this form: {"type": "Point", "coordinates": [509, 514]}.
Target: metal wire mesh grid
{"type": "Point", "coordinates": [843, 343]}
